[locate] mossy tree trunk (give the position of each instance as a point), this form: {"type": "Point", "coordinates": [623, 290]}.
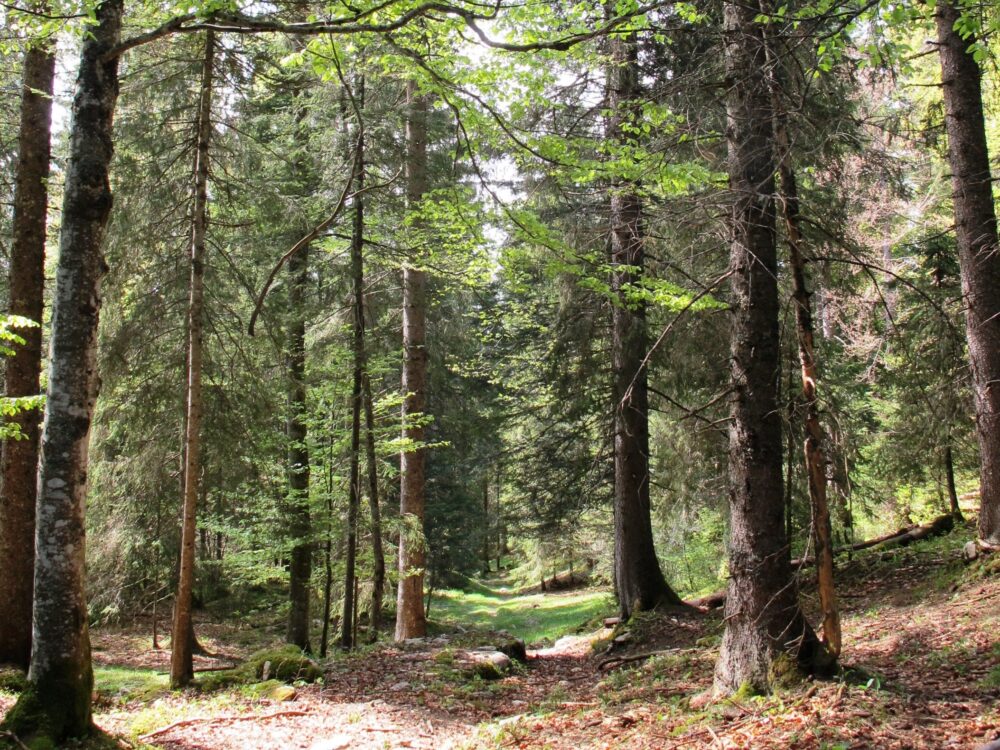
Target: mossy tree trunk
{"type": "Point", "coordinates": [57, 701]}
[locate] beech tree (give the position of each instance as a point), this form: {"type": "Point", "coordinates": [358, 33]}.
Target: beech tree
{"type": "Point", "coordinates": [60, 677]}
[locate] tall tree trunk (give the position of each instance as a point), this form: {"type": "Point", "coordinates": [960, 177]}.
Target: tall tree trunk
{"type": "Point", "coordinates": [411, 622]}
{"type": "Point", "coordinates": [300, 522]}
{"type": "Point", "coordinates": [19, 467]}
{"type": "Point", "coordinates": [181, 664]}
{"type": "Point", "coordinates": [347, 632]}
{"type": "Point", "coordinates": [375, 511]}
{"type": "Point", "coordinates": [813, 447]}
{"type": "Point", "coordinates": [978, 252]}
{"type": "Point", "coordinates": [57, 701]}
{"type": "Point", "coordinates": [639, 582]}
{"type": "Point", "coordinates": [763, 618]}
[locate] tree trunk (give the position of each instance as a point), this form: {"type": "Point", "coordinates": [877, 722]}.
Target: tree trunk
{"type": "Point", "coordinates": [411, 621]}
{"type": "Point", "coordinates": [813, 447]}
{"type": "Point", "coordinates": [19, 469]}
{"type": "Point", "coordinates": [763, 618]}
{"type": "Point", "coordinates": [300, 522]}
{"type": "Point", "coordinates": [347, 632]}
{"type": "Point", "coordinates": [181, 664]}
{"type": "Point", "coordinates": [949, 474]}
{"type": "Point", "coordinates": [978, 256]}
{"type": "Point", "coordinates": [639, 582]}
{"type": "Point", "coordinates": [378, 553]}
{"type": "Point", "coordinates": [57, 701]}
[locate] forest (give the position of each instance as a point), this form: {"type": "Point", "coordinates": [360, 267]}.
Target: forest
{"type": "Point", "coordinates": [499, 374]}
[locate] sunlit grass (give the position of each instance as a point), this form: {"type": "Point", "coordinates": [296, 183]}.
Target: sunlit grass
{"type": "Point", "coordinates": [532, 617]}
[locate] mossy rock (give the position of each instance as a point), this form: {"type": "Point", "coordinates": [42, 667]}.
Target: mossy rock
{"type": "Point", "coordinates": [287, 664]}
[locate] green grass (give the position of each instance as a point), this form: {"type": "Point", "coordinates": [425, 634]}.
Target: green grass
{"type": "Point", "coordinates": [532, 617]}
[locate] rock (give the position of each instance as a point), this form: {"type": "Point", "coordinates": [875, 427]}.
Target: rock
{"type": "Point", "coordinates": [282, 693]}
{"type": "Point", "coordinates": [400, 686]}
{"type": "Point", "coordinates": [610, 622]}
{"type": "Point", "coordinates": [488, 665]}
{"type": "Point", "coordinates": [970, 551]}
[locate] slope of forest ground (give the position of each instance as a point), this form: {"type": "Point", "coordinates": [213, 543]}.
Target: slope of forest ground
{"type": "Point", "coordinates": [922, 653]}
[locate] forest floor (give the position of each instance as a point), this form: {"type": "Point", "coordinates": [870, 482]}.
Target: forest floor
{"type": "Point", "coordinates": [922, 658]}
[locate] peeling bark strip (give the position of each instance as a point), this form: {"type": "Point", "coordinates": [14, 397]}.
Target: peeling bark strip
{"type": "Point", "coordinates": [411, 622]}
{"type": "Point", "coordinates": [978, 256]}
{"type": "Point", "coordinates": [639, 582]}
{"type": "Point", "coordinates": [763, 619]}
{"type": "Point", "coordinates": [57, 701]}
{"type": "Point", "coordinates": [813, 446]}
{"type": "Point", "coordinates": [181, 661]}
{"type": "Point", "coordinates": [19, 463]}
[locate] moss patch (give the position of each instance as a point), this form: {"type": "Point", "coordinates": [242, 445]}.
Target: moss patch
{"type": "Point", "coordinates": [286, 664]}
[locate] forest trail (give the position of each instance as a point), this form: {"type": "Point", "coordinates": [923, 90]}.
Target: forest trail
{"type": "Point", "coordinates": [922, 651]}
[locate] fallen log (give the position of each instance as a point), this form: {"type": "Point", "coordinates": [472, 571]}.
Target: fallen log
{"type": "Point", "coordinates": [899, 538]}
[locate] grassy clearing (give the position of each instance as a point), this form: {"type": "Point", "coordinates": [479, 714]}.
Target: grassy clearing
{"type": "Point", "coordinates": [532, 617]}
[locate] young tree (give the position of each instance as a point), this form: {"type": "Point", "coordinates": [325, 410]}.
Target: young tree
{"type": "Point", "coordinates": [763, 618]}
{"type": "Point", "coordinates": [181, 644]}
{"type": "Point", "coordinates": [639, 582]}
{"type": "Point", "coordinates": [410, 619]}
{"type": "Point", "coordinates": [57, 701]}
{"type": "Point", "coordinates": [19, 462]}
{"type": "Point", "coordinates": [978, 247]}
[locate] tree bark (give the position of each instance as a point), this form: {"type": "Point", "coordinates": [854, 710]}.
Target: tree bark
{"type": "Point", "coordinates": [181, 663]}
{"type": "Point", "coordinates": [813, 446]}
{"type": "Point", "coordinates": [374, 509]}
{"type": "Point", "coordinates": [57, 701]}
{"type": "Point", "coordinates": [949, 475]}
{"type": "Point", "coordinates": [19, 469]}
{"type": "Point", "coordinates": [411, 621]}
{"type": "Point", "coordinates": [299, 519]}
{"type": "Point", "coordinates": [763, 618]}
{"type": "Point", "coordinates": [639, 582]}
{"type": "Point", "coordinates": [979, 259]}
{"type": "Point", "coordinates": [347, 632]}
